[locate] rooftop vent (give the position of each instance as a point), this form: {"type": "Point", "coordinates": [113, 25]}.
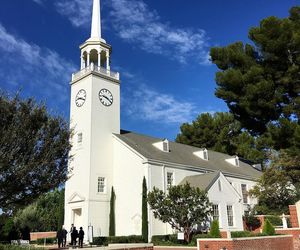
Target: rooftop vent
{"type": "Point", "coordinates": [234, 161]}
{"type": "Point", "coordinates": [163, 145]}
{"type": "Point", "coordinates": [257, 166]}
{"type": "Point", "coordinates": [203, 154]}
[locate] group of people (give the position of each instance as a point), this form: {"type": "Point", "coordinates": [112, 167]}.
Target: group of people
{"type": "Point", "coordinates": [75, 234]}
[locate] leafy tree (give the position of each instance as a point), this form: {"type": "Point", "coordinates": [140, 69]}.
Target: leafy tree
{"type": "Point", "coordinates": [222, 133]}
{"type": "Point", "coordinates": [183, 207]}
{"type": "Point", "coordinates": [261, 83]}
{"type": "Point", "coordinates": [274, 191]}
{"type": "Point", "coordinates": [215, 230]}
{"type": "Point", "coordinates": [34, 151]}
{"type": "Point", "coordinates": [43, 215]}
{"type": "Point", "coordinates": [144, 211]}
{"type": "Point", "coordinates": [252, 222]}
{"type": "Point", "coordinates": [112, 219]}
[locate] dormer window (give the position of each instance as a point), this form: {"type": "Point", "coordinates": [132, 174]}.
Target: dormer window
{"type": "Point", "coordinates": [234, 161]}
{"type": "Point", "coordinates": [203, 154]}
{"type": "Point", "coordinates": [163, 145]}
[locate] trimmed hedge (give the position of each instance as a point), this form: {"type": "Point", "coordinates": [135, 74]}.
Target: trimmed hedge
{"type": "Point", "coordinates": [244, 234]}
{"type": "Point", "coordinates": [165, 240]}
{"type": "Point", "coordinates": [104, 241]}
{"type": "Point", "coordinates": [48, 241]}
{"type": "Point", "coordinates": [13, 247]}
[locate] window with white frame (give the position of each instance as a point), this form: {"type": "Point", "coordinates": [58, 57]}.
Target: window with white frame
{"type": "Point", "coordinates": [170, 179]}
{"type": "Point", "coordinates": [79, 138]}
{"type": "Point", "coordinates": [244, 193]}
{"type": "Point", "coordinates": [230, 215]}
{"type": "Point", "coordinates": [215, 212]}
{"type": "Point", "coordinates": [101, 185]}
{"type": "Point", "coordinates": [220, 185]}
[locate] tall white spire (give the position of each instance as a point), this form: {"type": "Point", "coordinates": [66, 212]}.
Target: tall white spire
{"type": "Point", "coordinates": [96, 21]}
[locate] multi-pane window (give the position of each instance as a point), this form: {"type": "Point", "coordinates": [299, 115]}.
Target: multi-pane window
{"type": "Point", "coordinates": [244, 193]}
{"type": "Point", "coordinates": [215, 212]}
{"type": "Point", "coordinates": [101, 185]}
{"type": "Point", "coordinates": [220, 185]}
{"type": "Point", "coordinates": [165, 146]}
{"type": "Point", "coordinates": [230, 215]}
{"type": "Point", "coordinates": [79, 138]}
{"type": "Point", "coordinates": [205, 155]}
{"type": "Point", "coordinates": [170, 179]}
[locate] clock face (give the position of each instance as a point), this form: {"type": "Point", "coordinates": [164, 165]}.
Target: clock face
{"type": "Point", "coordinates": [80, 98]}
{"type": "Point", "coordinates": [106, 97]}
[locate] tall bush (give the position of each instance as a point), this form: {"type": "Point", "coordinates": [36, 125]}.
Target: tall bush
{"type": "Point", "coordinates": [112, 219]}
{"type": "Point", "coordinates": [144, 212]}
{"type": "Point", "coordinates": [268, 228]}
{"type": "Point", "coordinates": [215, 230]}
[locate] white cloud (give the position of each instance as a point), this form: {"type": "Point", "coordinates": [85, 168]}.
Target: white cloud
{"type": "Point", "coordinates": [150, 105]}
{"type": "Point", "coordinates": [39, 1]}
{"type": "Point", "coordinates": [136, 23]}
{"type": "Point", "coordinates": [77, 11]}
{"type": "Point", "coordinates": [28, 65]}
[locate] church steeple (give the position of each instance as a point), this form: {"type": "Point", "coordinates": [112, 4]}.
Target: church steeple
{"type": "Point", "coordinates": [95, 52]}
{"type": "Point", "coordinates": [96, 21]}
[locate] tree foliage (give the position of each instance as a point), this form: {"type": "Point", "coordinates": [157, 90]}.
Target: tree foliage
{"type": "Point", "coordinates": [46, 214]}
{"type": "Point", "coordinates": [34, 151]}
{"type": "Point", "coordinates": [221, 132]}
{"type": "Point", "coordinates": [261, 82]}
{"type": "Point", "coordinates": [112, 216]}
{"type": "Point", "coordinates": [183, 207]}
{"type": "Point", "coordinates": [144, 211]}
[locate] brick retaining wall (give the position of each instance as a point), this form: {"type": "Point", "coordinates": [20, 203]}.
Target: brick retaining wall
{"type": "Point", "coordinates": [42, 235]}
{"type": "Point", "coordinates": [256, 243]}
{"type": "Point", "coordinates": [293, 216]}
{"type": "Point", "coordinates": [295, 232]}
{"type": "Point", "coordinates": [173, 247]}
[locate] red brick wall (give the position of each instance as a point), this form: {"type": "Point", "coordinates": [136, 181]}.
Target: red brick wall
{"type": "Point", "coordinates": [294, 232]}
{"type": "Point", "coordinates": [257, 243]}
{"type": "Point", "coordinates": [293, 216]}
{"type": "Point", "coordinates": [223, 234]}
{"type": "Point", "coordinates": [176, 248]}
{"type": "Point", "coordinates": [42, 235]}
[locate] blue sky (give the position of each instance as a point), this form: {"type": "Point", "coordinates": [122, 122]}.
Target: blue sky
{"type": "Point", "coordinates": [160, 48]}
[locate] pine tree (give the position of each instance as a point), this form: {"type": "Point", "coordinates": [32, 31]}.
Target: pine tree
{"type": "Point", "coordinates": [144, 212]}
{"type": "Point", "coordinates": [112, 220]}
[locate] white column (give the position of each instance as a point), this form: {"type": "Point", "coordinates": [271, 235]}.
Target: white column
{"type": "Point", "coordinates": [82, 62]}
{"type": "Point", "coordinates": [107, 61]}
{"type": "Point", "coordinates": [88, 59]}
{"type": "Point", "coordinates": [99, 58]}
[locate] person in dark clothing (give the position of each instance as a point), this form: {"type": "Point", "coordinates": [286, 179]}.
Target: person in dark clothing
{"type": "Point", "coordinates": [59, 237]}
{"type": "Point", "coordinates": [81, 236]}
{"type": "Point", "coordinates": [64, 235]}
{"type": "Point", "coordinates": [74, 236]}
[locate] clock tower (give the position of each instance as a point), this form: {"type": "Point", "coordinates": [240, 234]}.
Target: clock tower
{"type": "Point", "coordinates": [94, 117]}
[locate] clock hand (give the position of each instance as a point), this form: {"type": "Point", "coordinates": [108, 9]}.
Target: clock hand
{"type": "Point", "coordinates": [106, 98]}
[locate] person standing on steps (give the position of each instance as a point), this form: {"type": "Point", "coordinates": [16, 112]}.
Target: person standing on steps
{"type": "Point", "coordinates": [64, 235]}
{"type": "Point", "coordinates": [81, 236]}
{"type": "Point", "coordinates": [74, 236]}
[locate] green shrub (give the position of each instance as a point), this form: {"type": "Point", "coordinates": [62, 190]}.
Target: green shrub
{"type": "Point", "coordinates": [240, 234]}
{"type": "Point", "coordinates": [268, 228]}
{"type": "Point", "coordinates": [275, 220]}
{"type": "Point", "coordinates": [13, 247]}
{"type": "Point", "coordinates": [215, 230]}
{"type": "Point", "coordinates": [100, 241]}
{"type": "Point", "coordinates": [198, 236]}
{"type": "Point", "coordinates": [48, 241]}
{"type": "Point", "coordinates": [166, 240]}
{"type": "Point", "coordinates": [125, 239]}
{"type": "Point", "coordinates": [252, 222]}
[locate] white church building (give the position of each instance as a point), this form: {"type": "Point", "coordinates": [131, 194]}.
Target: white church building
{"type": "Point", "coordinates": [104, 156]}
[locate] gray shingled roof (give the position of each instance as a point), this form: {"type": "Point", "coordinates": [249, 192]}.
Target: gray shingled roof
{"type": "Point", "coordinates": [183, 154]}
{"type": "Point", "coordinates": [202, 181]}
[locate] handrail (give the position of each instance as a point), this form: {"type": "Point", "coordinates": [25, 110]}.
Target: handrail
{"type": "Point", "coordinates": [97, 69]}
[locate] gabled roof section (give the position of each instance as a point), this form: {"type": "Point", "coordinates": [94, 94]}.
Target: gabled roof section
{"type": "Point", "coordinates": [184, 155]}
{"type": "Point", "coordinates": [202, 181]}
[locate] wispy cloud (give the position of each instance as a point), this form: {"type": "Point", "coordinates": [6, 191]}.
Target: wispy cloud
{"type": "Point", "coordinates": [39, 1]}
{"type": "Point", "coordinates": [150, 105]}
{"type": "Point", "coordinates": [30, 66]}
{"type": "Point", "coordinates": [77, 11]}
{"type": "Point", "coordinates": [136, 23]}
